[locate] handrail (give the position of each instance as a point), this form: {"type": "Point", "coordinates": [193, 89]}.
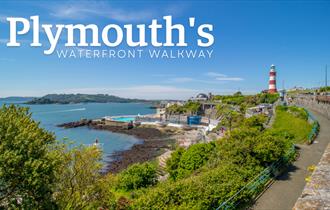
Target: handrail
{"type": "Point", "coordinates": [315, 128]}
{"type": "Point", "coordinates": [255, 186]}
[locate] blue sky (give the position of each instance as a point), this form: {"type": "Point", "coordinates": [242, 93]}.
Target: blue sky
{"type": "Point", "coordinates": [249, 37]}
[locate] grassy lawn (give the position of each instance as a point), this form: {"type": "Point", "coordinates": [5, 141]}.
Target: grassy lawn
{"type": "Point", "coordinates": [294, 121]}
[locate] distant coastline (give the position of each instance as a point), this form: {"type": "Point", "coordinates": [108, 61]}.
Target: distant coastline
{"type": "Point", "coordinates": [82, 98]}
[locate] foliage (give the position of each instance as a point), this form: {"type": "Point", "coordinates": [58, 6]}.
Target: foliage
{"type": "Point", "coordinates": [325, 89]}
{"type": "Point", "coordinates": [36, 172]}
{"type": "Point", "coordinates": [80, 184]}
{"type": "Point", "coordinates": [256, 121]}
{"type": "Point", "coordinates": [183, 162]}
{"type": "Point", "coordinates": [247, 100]}
{"type": "Point", "coordinates": [189, 108]}
{"type": "Point", "coordinates": [268, 98]}
{"type": "Point", "coordinates": [192, 107]}
{"type": "Point", "coordinates": [293, 120]}
{"type": "Point", "coordinates": [172, 164]}
{"type": "Point", "coordinates": [235, 161]}
{"type": "Point", "coordinates": [137, 176]}
{"type": "Point", "coordinates": [203, 191]}
{"type": "Point", "coordinates": [231, 119]}
{"type": "Point", "coordinates": [27, 161]}
{"type": "Point", "coordinates": [223, 168]}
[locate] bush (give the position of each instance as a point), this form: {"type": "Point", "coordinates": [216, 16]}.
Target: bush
{"type": "Point", "coordinates": [137, 176]}
{"type": "Point", "coordinates": [183, 162]}
{"type": "Point", "coordinates": [256, 121]}
{"type": "Point", "coordinates": [204, 191]}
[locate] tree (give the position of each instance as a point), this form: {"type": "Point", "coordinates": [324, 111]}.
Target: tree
{"type": "Point", "coordinates": [28, 161]}
{"type": "Point", "coordinates": [80, 183]}
{"type": "Point", "coordinates": [232, 119]}
{"type": "Point", "coordinates": [192, 107]}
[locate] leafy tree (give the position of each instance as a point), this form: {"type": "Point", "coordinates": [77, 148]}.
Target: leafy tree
{"type": "Point", "coordinates": [232, 119]}
{"type": "Point", "coordinates": [80, 184]}
{"type": "Point", "coordinates": [192, 107]}
{"type": "Point", "coordinates": [27, 161]}
{"type": "Point", "coordinates": [137, 176]}
{"type": "Point", "coordinates": [175, 109]}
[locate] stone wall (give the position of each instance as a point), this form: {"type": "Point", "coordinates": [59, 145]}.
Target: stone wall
{"type": "Point", "coordinates": [311, 103]}
{"type": "Point", "coordinates": [316, 194]}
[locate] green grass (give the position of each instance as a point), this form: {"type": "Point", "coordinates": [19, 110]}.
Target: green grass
{"type": "Point", "coordinates": [293, 120]}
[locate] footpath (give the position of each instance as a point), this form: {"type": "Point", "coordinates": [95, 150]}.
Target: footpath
{"type": "Point", "coordinates": [287, 188]}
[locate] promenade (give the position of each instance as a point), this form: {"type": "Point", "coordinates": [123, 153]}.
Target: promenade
{"type": "Point", "coordinates": [287, 188]}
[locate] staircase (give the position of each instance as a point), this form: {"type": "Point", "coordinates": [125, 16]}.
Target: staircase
{"type": "Point", "coordinates": [161, 171]}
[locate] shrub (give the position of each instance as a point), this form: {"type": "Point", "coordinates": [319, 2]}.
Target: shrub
{"type": "Point", "coordinates": [204, 191]}
{"type": "Point", "coordinates": [183, 162]}
{"type": "Point", "coordinates": [256, 121]}
{"type": "Point", "coordinates": [137, 176]}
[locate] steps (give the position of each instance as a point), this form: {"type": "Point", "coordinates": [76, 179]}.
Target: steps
{"type": "Point", "coordinates": [161, 171]}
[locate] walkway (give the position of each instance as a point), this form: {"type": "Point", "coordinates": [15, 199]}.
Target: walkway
{"type": "Point", "coordinates": [284, 192]}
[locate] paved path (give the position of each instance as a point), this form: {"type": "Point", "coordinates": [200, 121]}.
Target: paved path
{"type": "Point", "coordinates": [284, 192]}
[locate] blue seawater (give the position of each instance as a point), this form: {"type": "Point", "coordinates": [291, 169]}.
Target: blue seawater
{"type": "Point", "coordinates": [51, 115]}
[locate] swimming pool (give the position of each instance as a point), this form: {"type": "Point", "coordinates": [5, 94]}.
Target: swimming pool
{"type": "Point", "coordinates": [123, 119]}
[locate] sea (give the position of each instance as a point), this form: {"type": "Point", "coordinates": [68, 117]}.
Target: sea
{"type": "Point", "coordinates": [50, 115]}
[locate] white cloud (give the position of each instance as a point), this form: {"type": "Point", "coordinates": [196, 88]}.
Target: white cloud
{"type": "Point", "coordinates": [223, 77]}
{"type": "Point", "coordinates": [214, 74]}
{"type": "Point", "coordinates": [215, 78]}
{"type": "Point", "coordinates": [229, 79]}
{"type": "Point", "coordinates": [103, 9]}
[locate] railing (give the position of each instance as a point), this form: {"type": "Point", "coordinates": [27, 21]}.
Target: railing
{"type": "Point", "coordinates": [315, 129]}
{"type": "Point", "coordinates": [257, 184]}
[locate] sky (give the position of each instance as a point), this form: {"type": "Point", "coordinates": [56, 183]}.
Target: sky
{"type": "Point", "coordinates": [249, 36]}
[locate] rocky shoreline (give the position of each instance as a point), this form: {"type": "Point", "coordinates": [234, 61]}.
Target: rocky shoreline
{"type": "Point", "coordinates": [155, 142]}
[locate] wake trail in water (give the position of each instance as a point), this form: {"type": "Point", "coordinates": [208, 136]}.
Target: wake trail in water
{"type": "Point", "coordinates": [60, 111]}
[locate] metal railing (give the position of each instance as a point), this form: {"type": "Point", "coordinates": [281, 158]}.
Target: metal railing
{"type": "Point", "coordinates": [315, 129]}
{"type": "Point", "coordinates": [257, 184]}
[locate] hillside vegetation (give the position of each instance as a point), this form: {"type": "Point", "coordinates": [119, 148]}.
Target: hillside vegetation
{"type": "Point", "coordinates": [80, 98]}
{"type": "Point", "coordinates": [37, 172]}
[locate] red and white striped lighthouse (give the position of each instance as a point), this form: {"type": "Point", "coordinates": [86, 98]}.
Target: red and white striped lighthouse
{"type": "Point", "coordinates": [272, 80]}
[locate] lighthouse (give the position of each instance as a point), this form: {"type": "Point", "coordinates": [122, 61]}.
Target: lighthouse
{"type": "Point", "coordinates": [272, 80]}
